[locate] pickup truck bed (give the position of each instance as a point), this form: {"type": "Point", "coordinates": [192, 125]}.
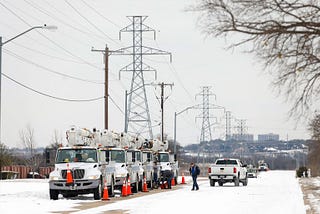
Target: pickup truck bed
{"type": "Point", "coordinates": [228, 171]}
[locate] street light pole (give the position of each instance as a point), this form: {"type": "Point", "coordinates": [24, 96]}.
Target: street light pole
{"type": "Point", "coordinates": [175, 127]}
{"type": "Point", "coordinates": [48, 27]}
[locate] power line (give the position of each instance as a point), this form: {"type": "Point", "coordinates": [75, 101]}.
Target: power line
{"type": "Point", "coordinates": [54, 97]}
{"type": "Point", "coordinates": [53, 42]}
{"type": "Point", "coordinates": [98, 29]}
{"type": "Point", "coordinates": [97, 12]}
{"type": "Point", "coordinates": [45, 54]}
{"type": "Point", "coordinates": [112, 100]}
{"type": "Point", "coordinates": [48, 69]}
{"type": "Point", "coordinates": [172, 68]}
{"type": "Point", "coordinates": [46, 12]}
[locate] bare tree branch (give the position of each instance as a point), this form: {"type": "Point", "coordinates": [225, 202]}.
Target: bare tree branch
{"type": "Point", "coordinates": [285, 35]}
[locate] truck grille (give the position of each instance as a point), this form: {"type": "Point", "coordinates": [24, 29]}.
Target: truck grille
{"type": "Point", "coordinates": [76, 173]}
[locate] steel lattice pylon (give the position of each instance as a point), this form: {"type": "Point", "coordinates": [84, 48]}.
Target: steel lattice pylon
{"type": "Point", "coordinates": [138, 119]}
{"type": "Point", "coordinates": [206, 127]}
{"type": "Point", "coordinates": [228, 125]}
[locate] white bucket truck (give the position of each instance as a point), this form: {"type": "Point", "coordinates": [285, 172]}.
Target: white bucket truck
{"type": "Point", "coordinates": [80, 167]}
{"type": "Point", "coordinates": [121, 150]}
{"type": "Point", "coordinates": [166, 161]}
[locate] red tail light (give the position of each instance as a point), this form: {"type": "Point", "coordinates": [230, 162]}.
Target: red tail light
{"type": "Point", "coordinates": [209, 170]}
{"type": "Point", "coordinates": [234, 170]}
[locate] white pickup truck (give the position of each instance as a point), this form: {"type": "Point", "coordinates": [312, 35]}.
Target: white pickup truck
{"type": "Point", "coordinates": [227, 170]}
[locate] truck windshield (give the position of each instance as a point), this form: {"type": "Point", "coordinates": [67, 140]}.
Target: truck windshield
{"type": "Point", "coordinates": [118, 156]}
{"type": "Point", "coordinates": [226, 162]}
{"type": "Point", "coordinates": [138, 156]}
{"type": "Point", "coordinates": [164, 157]}
{"type": "Point", "coordinates": [76, 155]}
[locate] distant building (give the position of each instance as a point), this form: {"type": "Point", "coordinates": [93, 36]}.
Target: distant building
{"type": "Point", "coordinates": [268, 137]}
{"type": "Point", "coordinates": [242, 137]}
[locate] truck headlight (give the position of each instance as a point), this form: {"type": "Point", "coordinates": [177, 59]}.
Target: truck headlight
{"type": "Point", "coordinates": [53, 178]}
{"type": "Point", "coordinates": [121, 175]}
{"type": "Point", "coordinates": [94, 177]}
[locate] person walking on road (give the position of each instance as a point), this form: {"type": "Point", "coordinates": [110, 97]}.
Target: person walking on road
{"type": "Point", "coordinates": [194, 171]}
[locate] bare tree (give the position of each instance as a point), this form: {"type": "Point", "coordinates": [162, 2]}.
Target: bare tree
{"type": "Point", "coordinates": [314, 147]}
{"type": "Point", "coordinates": [28, 141]}
{"type": "Point", "coordinates": [50, 151]}
{"type": "Point", "coordinates": [5, 157]}
{"type": "Point", "coordinates": [56, 140]}
{"type": "Point", "coordinates": [284, 34]}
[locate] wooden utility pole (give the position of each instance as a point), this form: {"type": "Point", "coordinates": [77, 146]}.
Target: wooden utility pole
{"type": "Point", "coordinates": [106, 52]}
{"type": "Point", "coordinates": [162, 98]}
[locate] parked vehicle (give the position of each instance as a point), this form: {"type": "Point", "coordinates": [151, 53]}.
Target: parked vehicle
{"type": "Point", "coordinates": [263, 166]}
{"type": "Point", "coordinates": [166, 163]}
{"type": "Point", "coordinates": [227, 170]}
{"type": "Point", "coordinates": [252, 172]}
{"type": "Point", "coordinates": [80, 167]}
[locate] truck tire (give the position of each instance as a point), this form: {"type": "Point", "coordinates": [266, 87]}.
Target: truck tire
{"type": "Point", "coordinates": [245, 181]}
{"type": "Point", "coordinates": [111, 189]}
{"type": "Point", "coordinates": [176, 178]}
{"type": "Point", "coordinates": [140, 182]}
{"type": "Point", "coordinates": [220, 183]}
{"type": "Point", "coordinates": [135, 187]}
{"type": "Point", "coordinates": [236, 181]}
{"type": "Point", "coordinates": [53, 194]}
{"type": "Point", "coordinates": [212, 182]}
{"type": "Point", "coordinates": [97, 193]}
{"type": "Point", "coordinates": [149, 184]}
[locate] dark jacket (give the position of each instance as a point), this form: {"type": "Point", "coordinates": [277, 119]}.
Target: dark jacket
{"type": "Point", "coordinates": [195, 170]}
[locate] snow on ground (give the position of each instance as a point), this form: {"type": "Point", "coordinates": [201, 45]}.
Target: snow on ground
{"type": "Point", "coordinates": [272, 192]}
{"type": "Point", "coordinates": [311, 192]}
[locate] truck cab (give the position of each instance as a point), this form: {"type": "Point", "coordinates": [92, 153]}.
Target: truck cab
{"type": "Point", "coordinates": [117, 158]}
{"type": "Point", "coordinates": [80, 168]}
{"type": "Point", "coordinates": [135, 169]}
{"type": "Point", "coordinates": [167, 164]}
{"type": "Point", "coordinates": [89, 173]}
{"type": "Point", "coordinates": [148, 166]}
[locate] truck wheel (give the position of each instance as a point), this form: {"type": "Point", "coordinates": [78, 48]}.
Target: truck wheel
{"type": "Point", "coordinates": [97, 193]}
{"type": "Point", "coordinates": [176, 178]}
{"type": "Point", "coordinates": [236, 181]}
{"type": "Point", "coordinates": [140, 186]}
{"type": "Point", "coordinates": [212, 182]}
{"type": "Point", "coordinates": [135, 188]}
{"type": "Point", "coordinates": [150, 186]}
{"type": "Point", "coordinates": [111, 189]}
{"type": "Point", "coordinates": [54, 194]}
{"type": "Point", "coordinates": [220, 183]}
{"type": "Point", "coordinates": [245, 181]}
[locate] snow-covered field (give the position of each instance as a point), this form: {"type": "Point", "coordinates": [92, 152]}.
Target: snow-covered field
{"type": "Point", "coordinates": [272, 192]}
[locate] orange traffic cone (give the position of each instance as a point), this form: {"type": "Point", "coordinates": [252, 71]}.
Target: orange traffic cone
{"type": "Point", "coordinates": [69, 175]}
{"type": "Point", "coordinates": [145, 188]}
{"type": "Point", "coordinates": [129, 187]}
{"type": "Point", "coordinates": [124, 189]}
{"type": "Point", "coordinates": [105, 192]}
{"type": "Point", "coordinates": [183, 181]}
{"type": "Point", "coordinates": [173, 182]}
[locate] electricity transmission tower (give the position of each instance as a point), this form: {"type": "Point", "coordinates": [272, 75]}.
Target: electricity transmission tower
{"type": "Point", "coordinates": [138, 119]}
{"type": "Point", "coordinates": [228, 125]}
{"type": "Point", "coordinates": [205, 115]}
{"type": "Point", "coordinates": [242, 129]}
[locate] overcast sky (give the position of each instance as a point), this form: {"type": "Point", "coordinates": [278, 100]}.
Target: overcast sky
{"type": "Point", "coordinates": [54, 63]}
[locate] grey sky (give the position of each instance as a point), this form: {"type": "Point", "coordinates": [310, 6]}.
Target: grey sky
{"type": "Point", "coordinates": [35, 58]}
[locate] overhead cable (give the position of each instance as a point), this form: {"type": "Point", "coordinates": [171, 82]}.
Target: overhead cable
{"type": "Point", "coordinates": [51, 96]}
